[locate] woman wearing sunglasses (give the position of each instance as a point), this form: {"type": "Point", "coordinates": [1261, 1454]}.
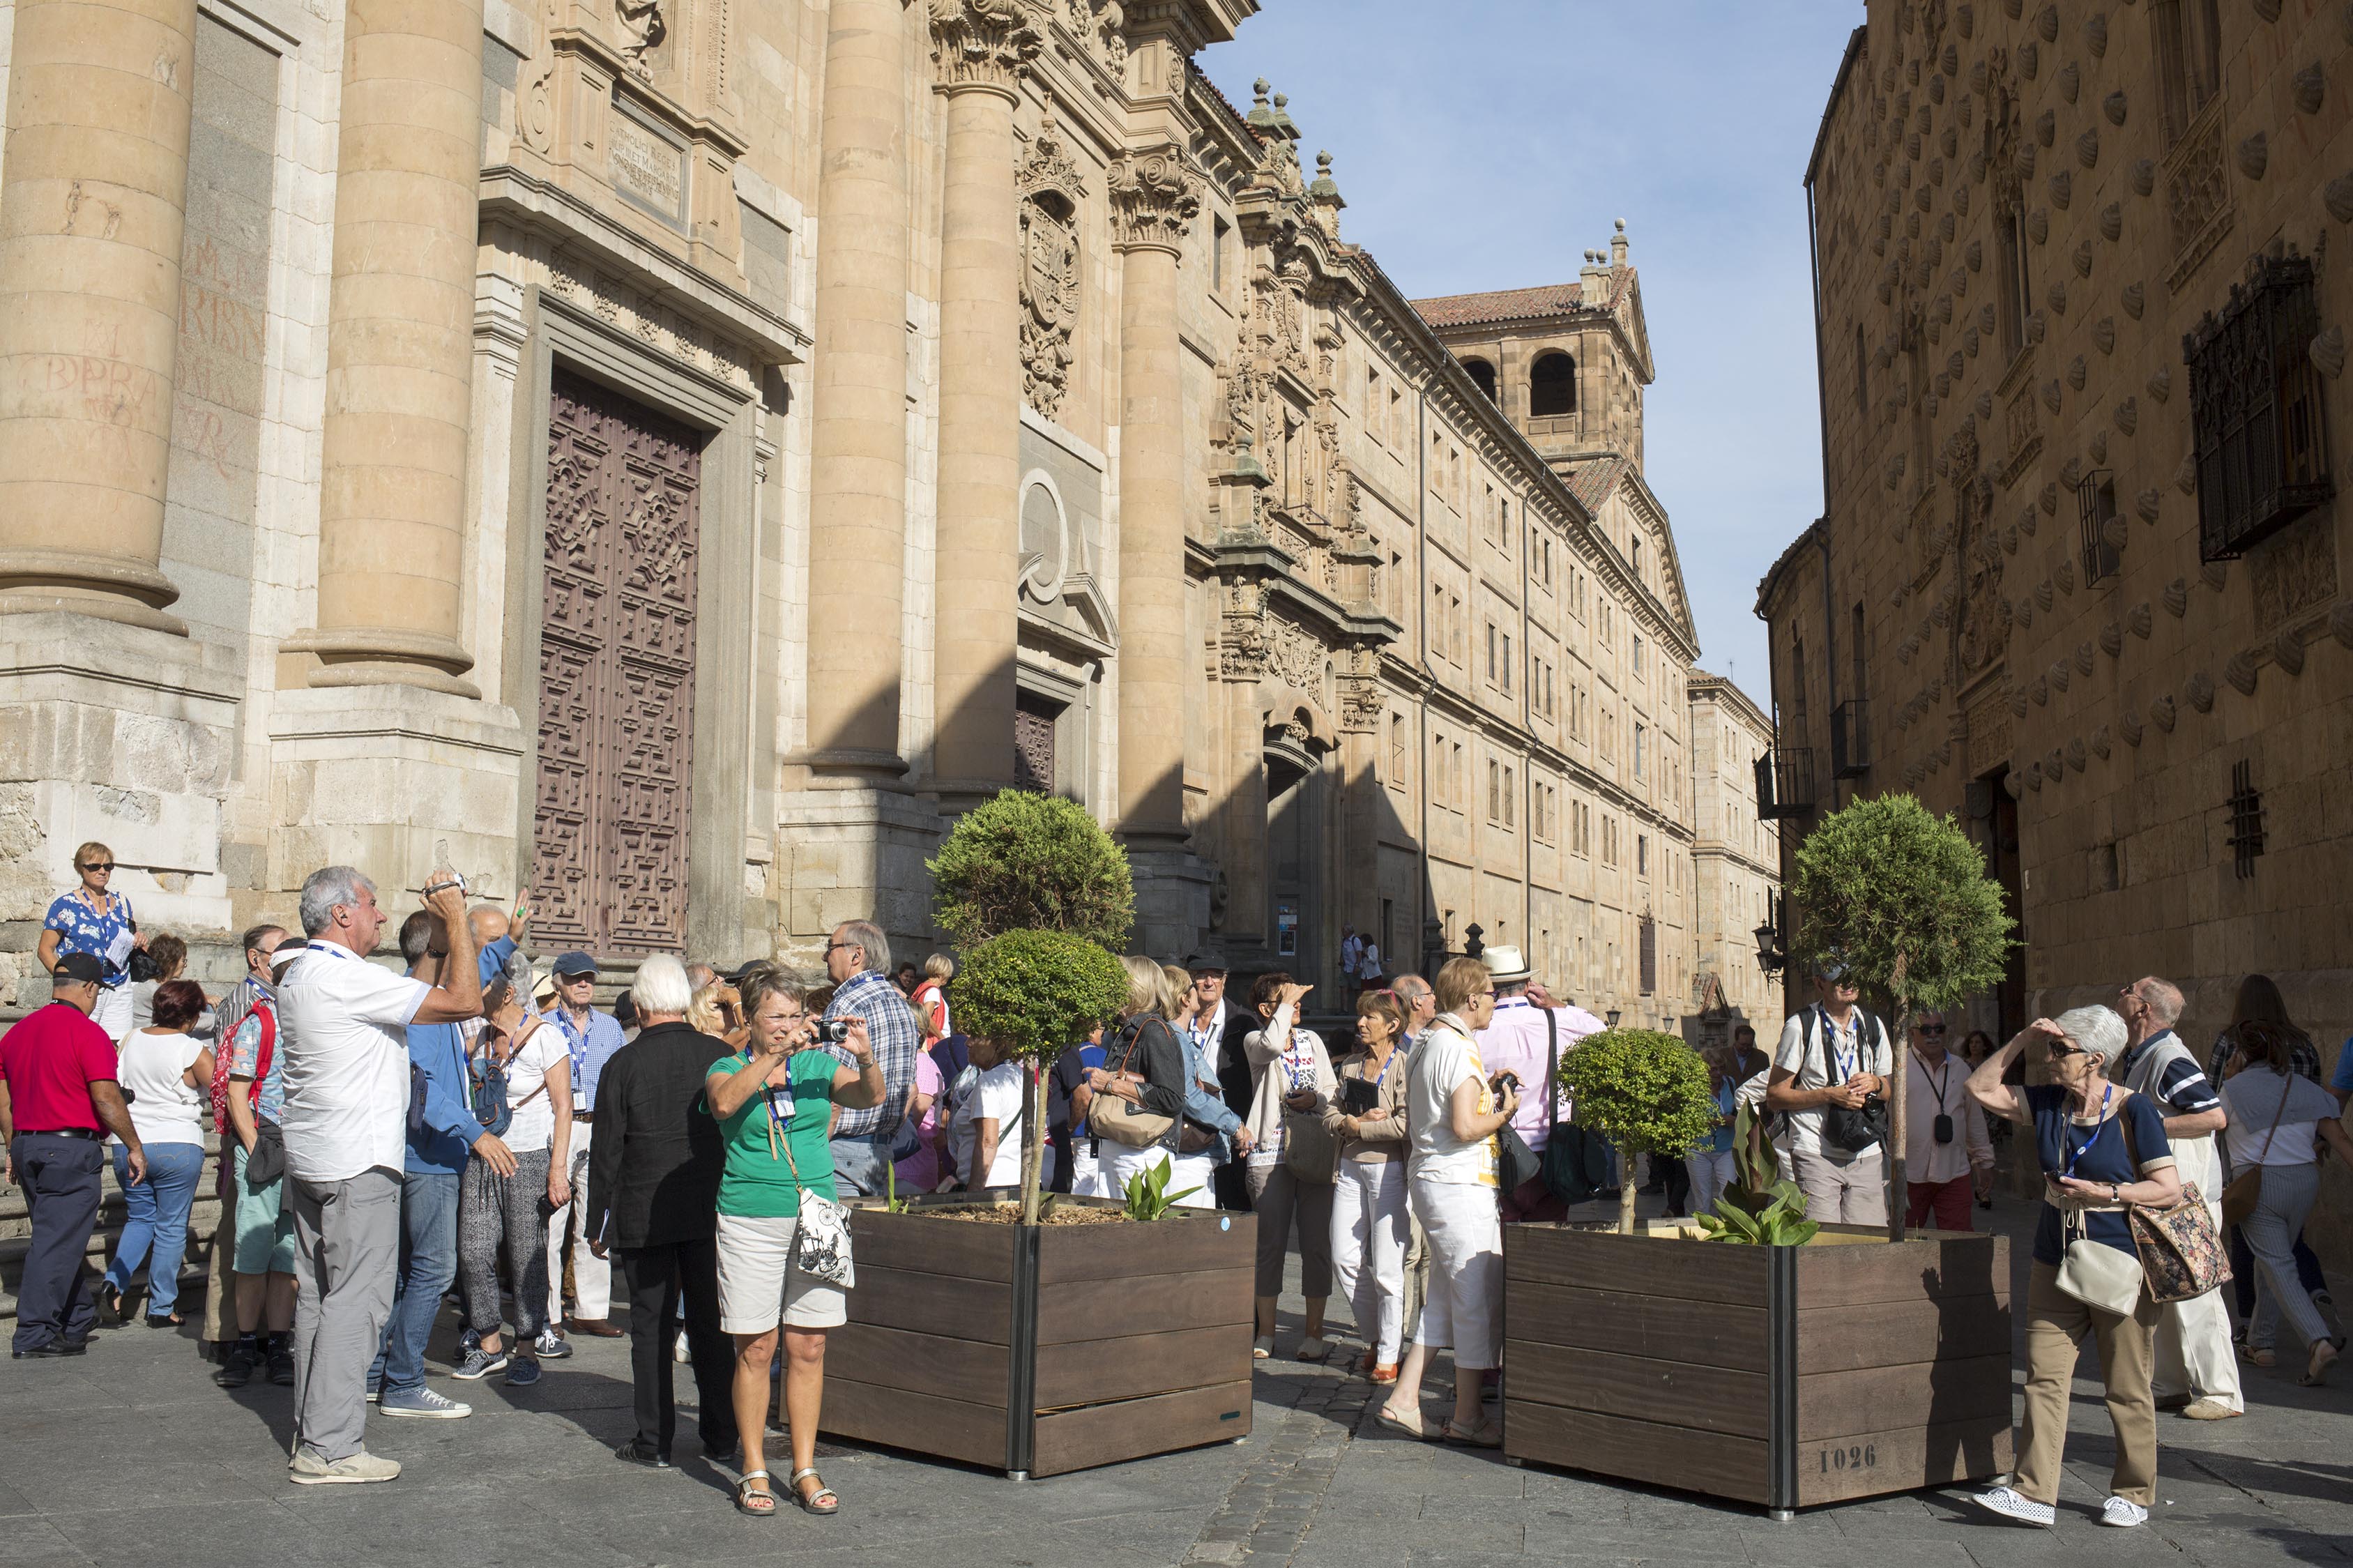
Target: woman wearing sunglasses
{"type": "Point", "coordinates": [2103, 1150]}
{"type": "Point", "coordinates": [92, 919]}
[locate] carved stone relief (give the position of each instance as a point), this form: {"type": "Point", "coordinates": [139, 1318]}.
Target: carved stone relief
{"type": "Point", "coordinates": [1051, 191]}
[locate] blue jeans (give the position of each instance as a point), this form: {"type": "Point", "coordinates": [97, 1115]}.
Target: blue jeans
{"type": "Point", "coordinates": [155, 1222]}
{"type": "Point", "coordinates": [428, 1261]}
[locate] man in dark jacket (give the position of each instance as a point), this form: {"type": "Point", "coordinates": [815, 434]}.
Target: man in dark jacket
{"type": "Point", "coordinates": [653, 1200]}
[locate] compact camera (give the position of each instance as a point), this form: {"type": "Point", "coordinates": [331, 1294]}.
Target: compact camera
{"type": "Point", "coordinates": [832, 1031]}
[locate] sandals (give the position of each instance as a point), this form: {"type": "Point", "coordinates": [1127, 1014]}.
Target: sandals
{"type": "Point", "coordinates": [761, 1504]}
{"type": "Point", "coordinates": [2315, 1372]}
{"type": "Point", "coordinates": [1486, 1434]}
{"type": "Point", "coordinates": [822, 1502]}
{"type": "Point", "coordinates": [2259, 1355]}
{"type": "Point", "coordinates": [1409, 1421]}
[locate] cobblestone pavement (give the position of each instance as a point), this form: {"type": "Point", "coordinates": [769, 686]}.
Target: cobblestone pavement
{"type": "Point", "coordinates": [131, 1454]}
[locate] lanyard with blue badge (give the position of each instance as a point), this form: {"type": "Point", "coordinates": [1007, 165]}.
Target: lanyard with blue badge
{"type": "Point", "coordinates": [779, 1119]}
{"type": "Point", "coordinates": [2086, 1147]}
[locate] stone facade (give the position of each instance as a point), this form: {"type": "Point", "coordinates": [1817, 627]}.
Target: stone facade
{"type": "Point", "coordinates": [681, 453]}
{"type": "Point", "coordinates": [2080, 580]}
{"type": "Point", "coordinates": [1735, 863]}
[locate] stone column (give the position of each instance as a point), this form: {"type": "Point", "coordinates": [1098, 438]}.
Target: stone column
{"type": "Point", "coordinates": [400, 348]}
{"type": "Point", "coordinates": [1153, 199]}
{"type": "Point", "coordinates": [858, 398]}
{"type": "Point", "coordinates": [981, 47]}
{"type": "Point", "coordinates": [98, 111]}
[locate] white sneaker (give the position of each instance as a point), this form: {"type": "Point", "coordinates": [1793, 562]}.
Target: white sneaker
{"type": "Point", "coordinates": [678, 1350]}
{"type": "Point", "coordinates": [309, 1470]}
{"type": "Point", "coordinates": [1261, 1347]}
{"type": "Point", "coordinates": [2122, 1514]}
{"type": "Point", "coordinates": [2008, 1503]}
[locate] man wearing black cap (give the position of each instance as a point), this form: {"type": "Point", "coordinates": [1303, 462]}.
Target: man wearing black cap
{"type": "Point", "coordinates": [591, 1036]}
{"type": "Point", "coordinates": [57, 1100]}
{"type": "Point", "coordinates": [1834, 1055]}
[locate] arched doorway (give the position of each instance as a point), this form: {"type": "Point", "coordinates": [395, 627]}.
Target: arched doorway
{"type": "Point", "coordinates": [1294, 839]}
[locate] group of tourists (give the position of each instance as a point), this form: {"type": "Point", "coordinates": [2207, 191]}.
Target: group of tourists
{"type": "Point", "coordinates": [466, 1124]}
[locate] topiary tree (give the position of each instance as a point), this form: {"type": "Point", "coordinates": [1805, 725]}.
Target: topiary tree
{"type": "Point", "coordinates": [1645, 1091]}
{"type": "Point", "coordinates": [1021, 861]}
{"type": "Point", "coordinates": [1029, 994]}
{"type": "Point", "coordinates": [1900, 897]}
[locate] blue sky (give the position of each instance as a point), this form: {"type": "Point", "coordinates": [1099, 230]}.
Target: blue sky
{"type": "Point", "coordinates": [1489, 144]}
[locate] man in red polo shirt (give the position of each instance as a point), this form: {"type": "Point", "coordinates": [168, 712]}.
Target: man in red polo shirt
{"type": "Point", "coordinates": [58, 1098]}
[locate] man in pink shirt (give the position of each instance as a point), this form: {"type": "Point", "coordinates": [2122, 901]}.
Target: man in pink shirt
{"type": "Point", "coordinates": [1519, 1042]}
{"type": "Point", "coordinates": [58, 1098]}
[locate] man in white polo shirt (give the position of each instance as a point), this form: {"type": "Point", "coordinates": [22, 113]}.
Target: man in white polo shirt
{"type": "Point", "coordinates": [344, 1043]}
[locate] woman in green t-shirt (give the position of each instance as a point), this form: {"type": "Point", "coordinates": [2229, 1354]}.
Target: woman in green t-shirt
{"type": "Point", "coordinates": [774, 1104]}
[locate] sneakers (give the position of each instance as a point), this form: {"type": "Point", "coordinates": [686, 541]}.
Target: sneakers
{"type": "Point", "coordinates": [551, 1345]}
{"type": "Point", "coordinates": [2121, 1515]}
{"type": "Point", "coordinates": [2008, 1503]}
{"type": "Point", "coordinates": [478, 1364]}
{"type": "Point", "coordinates": [1262, 1347]}
{"type": "Point", "coordinates": [237, 1367]}
{"type": "Point", "coordinates": [522, 1371]}
{"type": "Point", "coordinates": [281, 1360]}
{"type": "Point", "coordinates": [2209, 1410]}
{"type": "Point", "coordinates": [468, 1339]}
{"type": "Point", "coordinates": [422, 1402]}
{"type": "Point", "coordinates": [309, 1470]}
{"type": "Point", "coordinates": [677, 1350]}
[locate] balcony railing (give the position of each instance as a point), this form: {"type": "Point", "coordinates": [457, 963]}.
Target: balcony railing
{"type": "Point", "coordinates": [1851, 739]}
{"type": "Point", "coordinates": [1785, 782]}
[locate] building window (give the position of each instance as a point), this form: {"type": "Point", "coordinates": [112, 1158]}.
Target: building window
{"type": "Point", "coordinates": [1491, 650]}
{"type": "Point", "coordinates": [2011, 285]}
{"type": "Point", "coordinates": [1552, 386]}
{"type": "Point", "coordinates": [2096, 507]}
{"type": "Point", "coordinates": [1373, 404]}
{"type": "Point", "coordinates": [1483, 374]}
{"type": "Point", "coordinates": [1641, 734]}
{"type": "Point", "coordinates": [1459, 785]}
{"type": "Point", "coordinates": [1642, 857]}
{"type": "Point", "coordinates": [1220, 230]}
{"type": "Point", "coordinates": [1862, 374]}
{"type": "Point", "coordinates": [1396, 416]}
{"type": "Point", "coordinates": [1638, 658]}
{"type": "Point", "coordinates": [1397, 750]}
{"type": "Point", "coordinates": [2254, 411]}
{"type": "Point", "coordinates": [2189, 58]}
{"type": "Point", "coordinates": [1511, 794]}
{"type": "Point", "coordinates": [1507, 661]}
{"type": "Point", "coordinates": [1494, 791]}
{"type": "Point", "coordinates": [1650, 956]}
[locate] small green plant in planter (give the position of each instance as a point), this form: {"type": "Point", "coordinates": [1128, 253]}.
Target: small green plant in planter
{"type": "Point", "coordinates": [1763, 1208]}
{"type": "Point", "coordinates": [1149, 1197]}
{"type": "Point", "coordinates": [1900, 897]}
{"type": "Point", "coordinates": [1645, 1091]}
{"type": "Point", "coordinates": [1021, 861]}
{"type": "Point", "coordinates": [1030, 993]}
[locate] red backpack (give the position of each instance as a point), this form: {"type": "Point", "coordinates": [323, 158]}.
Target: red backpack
{"type": "Point", "coordinates": [264, 1016]}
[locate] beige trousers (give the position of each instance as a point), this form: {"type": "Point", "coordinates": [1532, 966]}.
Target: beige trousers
{"type": "Point", "coordinates": [2055, 1325]}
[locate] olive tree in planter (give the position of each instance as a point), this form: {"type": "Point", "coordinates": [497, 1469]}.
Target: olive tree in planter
{"type": "Point", "coordinates": [1900, 897]}
{"type": "Point", "coordinates": [1645, 1091]}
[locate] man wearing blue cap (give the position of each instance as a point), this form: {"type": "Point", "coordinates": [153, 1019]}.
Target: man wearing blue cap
{"type": "Point", "coordinates": [1831, 1076]}
{"type": "Point", "coordinates": [592, 1036]}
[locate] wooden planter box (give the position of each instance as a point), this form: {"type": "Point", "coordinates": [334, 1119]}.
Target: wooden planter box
{"type": "Point", "coordinates": [1785, 1376]}
{"type": "Point", "coordinates": [1047, 1348]}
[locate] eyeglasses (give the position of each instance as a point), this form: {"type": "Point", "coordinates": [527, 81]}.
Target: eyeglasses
{"type": "Point", "coordinates": [838, 946]}
{"type": "Point", "coordinates": [2065, 1049]}
{"type": "Point", "coordinates": [1930, 1028]}
{"type": "Point", "coordinates": [575, 980]}
{"type": "Point", "coordinates": [100, 866]}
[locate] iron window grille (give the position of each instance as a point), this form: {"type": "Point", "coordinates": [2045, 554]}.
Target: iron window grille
{"type": "Point", "coordinates": [2246, 806]}
{"type": "Point", "coordinates": [2103, 531]}
{"type": "Point", "coordinates": [1785, 782]}
{"type": "Point", "coordinates": [1851, 739]}
{"type": "Point", "coordinates": [2255, 410]}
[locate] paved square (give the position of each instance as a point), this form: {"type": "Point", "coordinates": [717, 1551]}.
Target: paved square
{"type": "Point", "coordinates": [131, 1454]}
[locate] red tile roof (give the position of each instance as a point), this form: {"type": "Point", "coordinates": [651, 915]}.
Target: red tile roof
{"type": "Point", "coordinates": [1592, 483]}
{"type": "Point", "coordinates": [1502, 305]}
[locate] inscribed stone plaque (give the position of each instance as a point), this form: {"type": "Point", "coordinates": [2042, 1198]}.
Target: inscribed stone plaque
{"type": "Point", "coordinates": [648, 168]}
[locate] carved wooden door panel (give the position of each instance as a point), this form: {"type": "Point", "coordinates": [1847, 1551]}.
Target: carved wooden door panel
{"type": "Point", "coordinates": [616, 674]}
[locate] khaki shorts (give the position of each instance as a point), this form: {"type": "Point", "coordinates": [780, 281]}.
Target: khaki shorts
{"type": "Point", "coordinates": [759, 1286]}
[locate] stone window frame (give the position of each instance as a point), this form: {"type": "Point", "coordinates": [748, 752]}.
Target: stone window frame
{"type": "Point", "coordinates": [722, 781]}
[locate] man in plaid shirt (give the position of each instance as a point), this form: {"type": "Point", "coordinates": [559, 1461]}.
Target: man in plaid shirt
{"type": "Point", "coordinates": [865, 1142]}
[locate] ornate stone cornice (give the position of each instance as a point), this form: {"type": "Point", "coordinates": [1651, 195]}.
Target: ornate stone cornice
{"type": "Point", "coordinates": [983, 45]}
{"type": "Point", "coordinates": [1154, 196]}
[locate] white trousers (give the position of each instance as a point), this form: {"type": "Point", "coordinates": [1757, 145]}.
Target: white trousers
{"type": "Point", "coordinates": [592, 1276]}
{"type": "Point", "coordinates": [1464, 1308]}
{"type": "Point", "coordinates": [2193, 1355]}
{"type": "Point", "coordinates": [1710, 1172]}
{"type": "Point", "coordinates": [1117, 1162]}
{"type": "Point", "coordinates": [1199, 1172]}
{"type": "Point", "coordinates": [112, 1010]}
{"type": "Point", "coordinates": [1368, 1242]}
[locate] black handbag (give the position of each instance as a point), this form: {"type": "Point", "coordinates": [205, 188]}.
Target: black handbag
{"type": "Point", "coordinates": [1855, 1128]}
{"type": "Point", "coordinates": [1575, 1164]}
{"type": "Point", "coordinates": [1516, 1163]}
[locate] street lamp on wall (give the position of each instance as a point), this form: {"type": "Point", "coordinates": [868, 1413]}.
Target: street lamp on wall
{"type": "Point", "coordinates": [1771, 956]}
{"type": "Point", "coordinates": [1611, 1016]}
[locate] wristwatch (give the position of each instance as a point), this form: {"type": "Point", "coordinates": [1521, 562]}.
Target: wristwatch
{"type": "Point", "coordinates": [2115, 1194]}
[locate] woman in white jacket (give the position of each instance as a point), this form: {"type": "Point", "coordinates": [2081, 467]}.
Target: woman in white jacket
{"type": "Point", "coordinates": [1292, 1160]}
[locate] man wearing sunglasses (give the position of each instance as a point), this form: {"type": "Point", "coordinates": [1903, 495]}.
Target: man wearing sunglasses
{"type": "Point", "coordinates": [2194, 1370]}
{"type": "Point", "coordinates": [1947, 1151]}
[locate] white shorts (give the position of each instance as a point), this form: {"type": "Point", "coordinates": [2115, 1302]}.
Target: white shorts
{"type": "Point", "coordinates": [760, 1288]}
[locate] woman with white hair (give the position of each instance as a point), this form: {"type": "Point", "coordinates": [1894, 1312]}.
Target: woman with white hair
{"type": "Point", "coordinates": [653, 1198]}
{"type": "Point", "coordinates": [2104, 1150]}
{"type": "Point", "coordinates": [1144, 1066]}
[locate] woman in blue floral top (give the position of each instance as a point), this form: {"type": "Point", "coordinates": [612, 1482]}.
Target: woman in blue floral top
{"type": "Point", "coordinates": [91, 918]}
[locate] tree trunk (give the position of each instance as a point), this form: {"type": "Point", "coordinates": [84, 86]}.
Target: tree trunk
{"type": "Point", "coordinates": [1030, 1111]}
{"type": "Point", "coordinates": [1625, 1189]}
{"type": "Point", "coordinates": [1899, 1116]}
